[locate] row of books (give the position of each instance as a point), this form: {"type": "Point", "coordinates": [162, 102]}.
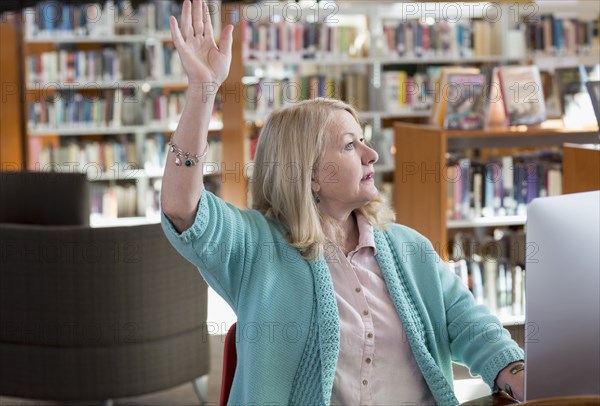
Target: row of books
{"type": "Point", "coordinates": [162, 61]}
{"type": "Point", "coordinates": [121, 62]}
{"type": "Point", "coordinates": [116, 156]}
{"type": "Point", "coordinates": [159, 108]}
{"type": "Point", "coordinates": [113, 201]}
{"type": "Point", "coordinates": [149, 17]}
{"type": "Point", "coordinates": [104, 110]}
{"type": "Point", "coordinates": [111, 155]}
{"type": "Point", "coordinates": [285, 40]}
{"type": "Point", "coordinates": [56, 18]}
{"type": "Point", "coordinates": [552, 35]}
{"type": "Point", "coordinates": [109, 108]}
{"type": "Point", "coordinates": [265, 94]}
{"type": "Point", "coordinates": [70, 66]}
{"type": "Point", "coordinates": [498, 285]}
{"type": "Point", "coordinates": [407, 92]}
{"type": "Point", "coordinates": [458, 98]}
{"type": "Point", "coordinates": [493, 269]}
{"type": "Point", "coordinates": [52, 18]}
{"type": "Point", "coordinates": [416, 38]}
{"type": "Point", "coordinates": [502, 185]}
{"type": "Point", "coordinates": [470, 98]}
{"type": "Point", "coordinates": [267, 40]}
{"type": "Point", "coordinates": [121, 200]}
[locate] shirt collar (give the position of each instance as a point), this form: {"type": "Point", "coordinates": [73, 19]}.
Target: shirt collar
{"type": "Point", "coordinates": [365, 233]}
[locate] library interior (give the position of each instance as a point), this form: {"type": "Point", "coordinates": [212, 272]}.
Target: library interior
{"type": "Point", "coordinates": [485, 119]}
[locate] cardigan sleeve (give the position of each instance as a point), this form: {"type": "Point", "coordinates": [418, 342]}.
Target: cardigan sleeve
{"type": "Point", "coordinates": [477, 338]}
{"type": "Point", "coordinates": [221, 242]}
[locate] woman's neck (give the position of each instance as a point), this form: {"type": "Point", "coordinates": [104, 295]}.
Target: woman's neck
{"type": "Point", "coordinates": [343, 231]}
{"type": "Point", "coordinates": [350, 228]}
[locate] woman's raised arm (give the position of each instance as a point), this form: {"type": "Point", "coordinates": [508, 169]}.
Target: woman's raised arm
{"type": "Point", "coordinates": [206, 66]}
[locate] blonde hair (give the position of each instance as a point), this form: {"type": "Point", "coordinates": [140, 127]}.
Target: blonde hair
{"type": "Point", "coordinates": [289, 149]}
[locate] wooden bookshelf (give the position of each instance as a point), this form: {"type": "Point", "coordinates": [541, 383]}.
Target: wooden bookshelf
{"type": "Point", "coordinates": [420, 187]}
{"type": "Point", "coordinates": [233, 175]}
{"type": "Point", "coordinates": [581, 168]}
{"type": "Point", "coordinates": [234, 129]}
{"type": "Point", "coordinates": [229, 134]}
{"type": "Point", "coordinates": [11, 151]}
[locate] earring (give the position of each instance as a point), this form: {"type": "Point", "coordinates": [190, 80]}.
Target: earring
{"type": "Point", "coordinates": [317, 198]}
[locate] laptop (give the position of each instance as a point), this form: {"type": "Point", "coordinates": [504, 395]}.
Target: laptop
{"type": "Point", "coordinates": [562, 310]}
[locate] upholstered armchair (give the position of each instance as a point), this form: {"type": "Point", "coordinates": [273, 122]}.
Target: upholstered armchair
{"type": "Point", "coordinates": [96, 313]}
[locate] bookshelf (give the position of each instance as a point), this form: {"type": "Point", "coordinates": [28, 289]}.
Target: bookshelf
{"type": "Point", "coordinates": [124, 61]}
{"type": "Point", "coordinates": [381, 65]}
{"type": "Point", "coordinates": [11, 148]}
{"type": "Point", "coordinates": [369, 77]}
{"type": "Point", "coordinates": [422, 180]}
{"type": "Point", "coordinates": [332, 52]}
{"type": "Point", "coordinates": [578, 160]}
{"type": "Point", "coordinates": [417, 201]}
{"type": "Point", "coordinates": [233, 134]}
{"type": "Point", "coordinates": [421, 159]}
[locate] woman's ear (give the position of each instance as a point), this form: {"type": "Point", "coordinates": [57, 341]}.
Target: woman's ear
{"type": "Point", "coordinates": [314, 175]}
{"type": "Point", "coordinates": [314, 185]}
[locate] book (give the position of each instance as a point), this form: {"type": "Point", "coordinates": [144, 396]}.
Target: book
{"type": "Point", "coordinates": [576, 103]}
{"type": "Point", "coordinates": [477, 179]}
{"type": "Point", "coordinates": [466, 102]}
{"type": "Point", "coordinates": [552, 35]}
{"type": "Point", "coordinates": [476, 281]}
{"type": "Point", "coordinates": [522, 94]}
{"type": "Point", "coordinates": [551, 95]}
{"type": "Point", "coordinates": [500, 185]}
{"type": "Point", "coordinates": [441, 89]}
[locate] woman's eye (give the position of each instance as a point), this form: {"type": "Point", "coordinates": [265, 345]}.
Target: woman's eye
{"type": "Point", "coordinates": [361, 140]}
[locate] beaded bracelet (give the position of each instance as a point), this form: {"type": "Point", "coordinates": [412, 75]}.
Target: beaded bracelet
{"type": "Point", "coordinates": [514, 370]}
{"type": "Point", "coordinates": [190, 160]}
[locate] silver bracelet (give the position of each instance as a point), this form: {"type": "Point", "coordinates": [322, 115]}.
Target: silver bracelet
{"type": "Point", "coordinates": [190, 160]}
{"type": "Point", "coordinates": [514, 370]}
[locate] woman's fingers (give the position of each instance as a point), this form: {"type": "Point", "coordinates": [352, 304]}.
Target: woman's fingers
{"type": "Point", "coordinates": [208, 28]}
{"type": "Point", "coordinates": [175, 33]}
{"type": "Point", "coordinates": [187, 30]}
{"type": "Point", "coordinates": [226, 40]}
{"type": "Point", "coordinates": [197, 16]}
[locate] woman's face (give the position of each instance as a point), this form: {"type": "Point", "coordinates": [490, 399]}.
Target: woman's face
{"type": "Point", "coordinates": [345, 174]}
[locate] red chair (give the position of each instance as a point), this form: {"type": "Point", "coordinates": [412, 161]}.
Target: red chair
{"type": "Point", "coordinates": [229, 365]}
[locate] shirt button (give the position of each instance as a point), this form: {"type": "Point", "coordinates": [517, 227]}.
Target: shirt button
{"type": "Point", "coordinates": [369, 335]}
{"type": "Point", "coordinates": [368, 360]}
{"type": "Point", "coordinates": [357, 290]}
{"type": "Point", "coordinates": [365, 382]}
{"type": "Point", "coordinates": [365, 312]}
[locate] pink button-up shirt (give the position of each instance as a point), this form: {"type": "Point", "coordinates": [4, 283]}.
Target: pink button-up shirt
{"type": "Point", "coordinates": [376, 365]}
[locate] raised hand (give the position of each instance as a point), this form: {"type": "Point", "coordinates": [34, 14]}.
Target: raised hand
{"type": "Point", "coordinates": [202, 60]}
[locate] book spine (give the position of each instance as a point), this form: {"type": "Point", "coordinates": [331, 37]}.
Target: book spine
{"type": "Point", "coordinates": [476, 282]}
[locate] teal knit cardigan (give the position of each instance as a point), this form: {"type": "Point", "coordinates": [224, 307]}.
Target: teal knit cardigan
{"type": "Point", "coordinates": [288, 334]}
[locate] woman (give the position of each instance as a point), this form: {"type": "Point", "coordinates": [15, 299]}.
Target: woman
{"type": "Point", "coordinates": [335, 304]}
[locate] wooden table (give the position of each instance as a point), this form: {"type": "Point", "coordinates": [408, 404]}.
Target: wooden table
{"type": "Point", "coordinates": [497, 399]}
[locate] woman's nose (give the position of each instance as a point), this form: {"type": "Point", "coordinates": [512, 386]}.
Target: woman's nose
{"type": "Point", "coordinates": [370, 156]}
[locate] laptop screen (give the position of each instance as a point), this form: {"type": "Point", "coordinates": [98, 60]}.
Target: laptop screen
{"type": "Point", "coordinates": [562, 282]}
